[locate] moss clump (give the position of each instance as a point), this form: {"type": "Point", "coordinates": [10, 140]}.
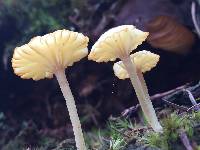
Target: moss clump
{"type": "Point", "coordinates": [173, 125]}
{"type": "Point", "coordinates": [114, 137]}
{"type": "Point", "coordinates": [121, 134]}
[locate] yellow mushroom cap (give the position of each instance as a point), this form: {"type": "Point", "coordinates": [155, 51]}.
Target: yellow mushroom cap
{"type": "Point", "coordinates": [143, 60]}
{"type": "Point", "coordinates": [117, 42]}
{"type": "Point", "coordinates": [43, 55]}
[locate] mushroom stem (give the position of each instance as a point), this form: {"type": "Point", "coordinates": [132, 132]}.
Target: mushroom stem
{"type": "Point", "coordinates": [141, 90]}
{"type": "Point", "coordinates": [64, 85]}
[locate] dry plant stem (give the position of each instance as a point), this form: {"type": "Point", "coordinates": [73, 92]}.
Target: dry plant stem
{"type": "Point", "coordinates": [193, 13]}
{"type": "Point", "coordinates": [185, 140]}
{"type": "Point", "coordinates": [64, 85]}
{"type": "Point", "coordinates": [142, 94]}
{"type": "Point", "coordinates": [160, 95]}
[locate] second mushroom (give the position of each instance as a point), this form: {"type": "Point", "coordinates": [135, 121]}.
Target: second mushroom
{"type": "Point", "coordinates": [119, 42]}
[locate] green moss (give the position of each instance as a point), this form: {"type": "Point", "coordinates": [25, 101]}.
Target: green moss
{"type": "Point", "coordinates": [122, 135]}
{"type": "Point", "coordinates": [172, 126]}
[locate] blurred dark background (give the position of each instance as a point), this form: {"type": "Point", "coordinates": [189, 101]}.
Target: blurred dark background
{"type": "Point", "coordinates": [97, 91]}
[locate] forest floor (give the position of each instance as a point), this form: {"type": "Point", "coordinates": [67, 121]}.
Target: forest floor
{"type": "Point", "coordinates": [178, 112]}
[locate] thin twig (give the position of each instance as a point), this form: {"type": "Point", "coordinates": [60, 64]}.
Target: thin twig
{"type": "Point", "coordinates": [183, 108]}
{"type": "Point", "coordinates": [193, 13]}
{"type": "Point", "coordinates": [191, 97]}
{"type": "Point", "coordinates": [185, 140]}
{"type": "Point", "coordinates": [193, 107]}
{"type": "Point", "coordinates": [160, 95]}
{"type": "Point", "coordinates": [127, 112]}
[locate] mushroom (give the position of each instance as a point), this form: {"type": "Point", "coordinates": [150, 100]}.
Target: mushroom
{"type": "Point", "coordinates": [50, 54]}
{"type": "Point", "coordinates": [143, 60]}
{"type": "Point", "coordinates": [119, 42]}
